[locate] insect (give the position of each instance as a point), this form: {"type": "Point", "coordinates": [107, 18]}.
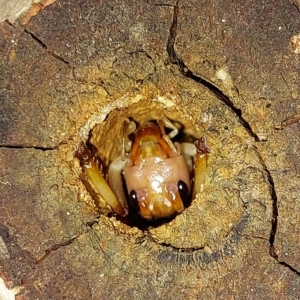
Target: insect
{"type": "Point", "coordinates": [157, 172]}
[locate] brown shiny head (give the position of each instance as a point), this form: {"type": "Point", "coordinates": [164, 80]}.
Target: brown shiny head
{"type": "Point", "coordinates": [147, 132]}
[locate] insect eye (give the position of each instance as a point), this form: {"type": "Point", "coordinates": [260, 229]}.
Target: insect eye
{"type": "Point", "coordinates": [183, 192]}
{"type": "Point", "coordinates": [134, 200]}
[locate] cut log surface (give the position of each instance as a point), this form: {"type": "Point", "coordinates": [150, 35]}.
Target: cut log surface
{"type": "Point", "coordinates": [226, 70]}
